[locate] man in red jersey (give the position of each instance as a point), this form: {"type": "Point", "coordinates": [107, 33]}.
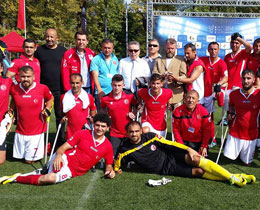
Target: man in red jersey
{"type": "Point", "coordinates": [77, 105]}
{"type": "Point", "coordinates": [253, 61]}
{"type": "Point", "coordinates": [195, 72]}
{"type": "Point", "coordinates": [236, 63]}
{"type": "Point", "coordinates": [244, 106]}
{"type": "Point", "coordinates": [77, 60]}
{"type": "Point", "coordinates": [217, 70]}
{"type": "Point", "coordinates": [75, 157]}
{"type": "Point", "coordinates": [32, 102]}
{"type": "Point", "coordinates": [191, 124]}
{"type": "Point", "coordinates": [26, 59]}
{"type": "Point", "coordinates": [5, 85]}
{"type": "Point", "coordinates": [156, 100]}
{"type": "Point", "coordinates": [119, 106]}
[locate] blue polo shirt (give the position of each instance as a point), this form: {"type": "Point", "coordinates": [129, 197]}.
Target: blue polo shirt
{"type": "Point", "coordinates": [105, 70]}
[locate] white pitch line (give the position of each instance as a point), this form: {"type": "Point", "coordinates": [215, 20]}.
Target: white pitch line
{"type": "Point", "coordinates": [88, 190]}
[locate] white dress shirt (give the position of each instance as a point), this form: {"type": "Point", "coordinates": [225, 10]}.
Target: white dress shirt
{"type": "Point", "coordinates": [130, 70]}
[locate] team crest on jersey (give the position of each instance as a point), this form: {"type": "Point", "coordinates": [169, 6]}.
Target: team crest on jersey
{"type": "Point", "coordinates": [35, 101]}
{"type": "Point", "coordinates": [153, 147]}
{"type": "Point", "coordinates": [27, 64]}
{"type": "Point", "coordinates": [70, 139]}
{"type": "Point", "coordinates": [3, 87]}
{"type": "Point", "coordinates": [198, 116]}
{"type": "Point", "coordinates": [255, 106]}
{"type": "Point", "coordinates": [126, 101]}
{"type": "Point", "coordinates": [65, 63]}
{"type": "Point", "coordinates": [111, 102]}
{"type": "Point", "coordinates": [90, 57]}
{"type": "Point", "coordinates": [114, 62]}
{"type": "Point", "coordinates": [97, 157]}
{"type": "Point", "coordinates": [162, 106]}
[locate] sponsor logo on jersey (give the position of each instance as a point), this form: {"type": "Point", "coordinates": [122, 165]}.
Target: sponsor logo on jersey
{"type": "Point", "coordinates": [26, 96]}
{"type": "Point", "coordinates": [246, 101]}
{"type": "Point", "coordinates": [3, 87]}
{"type": "Point", "coordinates": [94, 149]}
{"type": "Point", "coordinates": [153, 147]}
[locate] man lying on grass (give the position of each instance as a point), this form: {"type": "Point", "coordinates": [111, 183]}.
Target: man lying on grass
{"type": "Point", "coordinates": [75, 157]}
{"type": "Point", "coordinates": [160, 156]}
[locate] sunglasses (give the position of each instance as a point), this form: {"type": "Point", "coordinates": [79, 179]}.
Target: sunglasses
{"type": "Point", "coordinates": [133, 51]}
{"type": "Point", "coordinates": [153, 45]}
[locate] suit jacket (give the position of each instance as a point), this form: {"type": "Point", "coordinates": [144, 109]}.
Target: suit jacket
{"type": "Point", "coordinates": [178, 68]}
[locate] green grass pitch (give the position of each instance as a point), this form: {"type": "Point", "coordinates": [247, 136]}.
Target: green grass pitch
{"type": "Point", "coordinates": [129, 190]}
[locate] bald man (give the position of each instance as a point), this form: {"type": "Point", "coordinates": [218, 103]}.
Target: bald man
{"type": "Point", "coordinates": [50, 55]}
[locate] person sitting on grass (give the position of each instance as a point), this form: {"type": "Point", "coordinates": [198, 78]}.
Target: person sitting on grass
{"type": "Point", "coordinates": [160, 156]}
{"type": "Point", "coordinates": [75, 157]}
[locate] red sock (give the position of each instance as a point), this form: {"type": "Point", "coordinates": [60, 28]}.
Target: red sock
{"type": "Point", "coordinates": [31, 179]}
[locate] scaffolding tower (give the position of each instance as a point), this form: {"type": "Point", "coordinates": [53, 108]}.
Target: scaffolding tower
{"type": "Point", "coordinates": [183, 4]}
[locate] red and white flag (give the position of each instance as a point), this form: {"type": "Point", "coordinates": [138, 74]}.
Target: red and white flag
{"type": "Point", "coordinates": [21, 15]}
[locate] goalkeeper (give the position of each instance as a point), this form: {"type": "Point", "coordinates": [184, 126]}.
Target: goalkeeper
{"type": "Point", "coordinates": [160, 156]}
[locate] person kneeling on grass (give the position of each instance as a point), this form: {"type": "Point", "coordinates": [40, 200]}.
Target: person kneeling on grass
{"type": "Point", "coordinates": [160, 156]}
{"type": "Point", "coordinates": [75, 157]}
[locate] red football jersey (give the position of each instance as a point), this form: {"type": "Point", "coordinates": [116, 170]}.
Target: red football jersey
{"type": "Point", "coordinates": [29, 105]}
{"type": "Point", "coordinates": [245, 124]}
{"type": "Point", "coordinates": [5, 85]}
{"type": "Point", "coordinates": [24, 61]}
{"type": "Point", "coordinates": [77, 116]}
{"type": "Point", "coordinates": [216, 72]}
{"type": "Point", "coordinates": [154, 108]}
{"type": "Point", "coordinates": [235, 65]}
{"type": "Point", "coordinates": [252, 63]}
{"type": "Point", "coordinates": [118, 110]}
{"type": "Point", "coordinates": [191, 126]}
{"type": "Point", "coordinates": [86, 152]}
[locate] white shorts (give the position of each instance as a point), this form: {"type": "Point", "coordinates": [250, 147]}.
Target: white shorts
{"type": "Point", "coordinates": [235, 146]}
{"type": "Point", "coordinates": [64, 172]}
{"type": "Point", "coordinates": [209, 103]}
{"type": "Point", "coordinates": [161, 133]}
{"type": "Point", "coordinates": [28, 147]}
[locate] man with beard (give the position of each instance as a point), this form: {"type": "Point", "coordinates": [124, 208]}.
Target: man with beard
{"type": "Point", "coordinates": [244, 106]}
{"type": "Point", "coordinates": [253, 61]}
{"type": "Point", "coordinates": [50, 55]}
{"type": "Point", "coordinates": [195, 72]}
{"type": "Point", "coordinates": [172, 65]}
{"type": "Point", "coordinates": [32, 102]}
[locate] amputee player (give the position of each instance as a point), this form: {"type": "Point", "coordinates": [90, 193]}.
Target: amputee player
{"type": "Point", "coordinates": [253, 61]}
{"type": "Point", "coordinates": [191, 124]}
{"type": "Point", "coordinates": [160, 156]}
{"type": "Point", "coordinates": [236, 63]}
{"type": "Point", "coordinates": [155, 101]}
{"type": "Point", "coordinates": [26, 59]}
{"type": "Point", "coordinates": [217, 69]}
{"type": "Point", "coordinates": [119, 106]}
{"type": "Point", "coordinates": [5, 85]}
{"type": "Point", "coordinates": [77, 105]}
{"type": "Point", "coordinates": [78, 60]}
{"type": "Point", "coordinates": [244, 106]}
{"type": "Point", "coordinates": [195, 72]}
{"type": "Point", "coordinates": [32, 102]}
{"type": "Point", "coordinates": [75, 157]}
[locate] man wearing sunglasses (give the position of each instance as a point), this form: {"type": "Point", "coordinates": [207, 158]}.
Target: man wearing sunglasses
{"type": "Point", "coordinates": [153, 53]}
{"type": "Point", "coordinates": [133, 67]}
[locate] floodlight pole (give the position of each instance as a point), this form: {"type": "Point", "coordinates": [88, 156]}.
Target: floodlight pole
{"type": "Point", "coordinates": [105, 18]}
{"type": "Point", "coordinates": [126, 27]}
